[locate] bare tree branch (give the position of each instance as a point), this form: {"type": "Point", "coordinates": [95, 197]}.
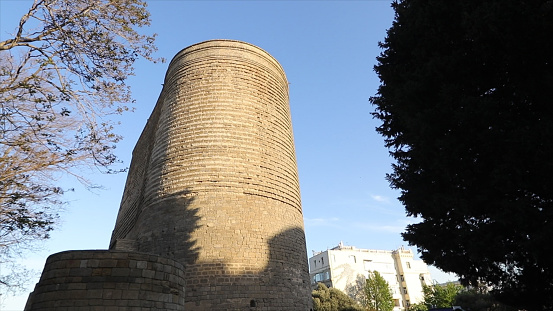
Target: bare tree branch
{"type": "Point", "coordinates": [62, 75]}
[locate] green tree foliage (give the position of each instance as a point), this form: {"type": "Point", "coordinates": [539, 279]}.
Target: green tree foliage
{"type": "Point", "coordinates": [62, 75]}
{"type": "Point", "coordinates": [438, 296]}
{"type": "Point", "coordinates": [465, 105]}
{"type": "Point", "coordinates": [378, 295]}
{"type": "Point", "coordinates": [473, 299]}
{"type": "Point", "coordinates": [418, 307]}
{"type": "Point", "coordinates": [479, 299]}
{"type": "Point", "coordinates": [332, 299]}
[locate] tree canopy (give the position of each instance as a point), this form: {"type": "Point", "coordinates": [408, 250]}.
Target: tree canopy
{"type": "Point", "coordinates": [438, 296]}
{"type": "Point", "coordinates": [378, 295]}
{"type": "Point", "coordinates": [465, 104]}
{"type": "Point", "coordinates": [450, 294]}
{"type": "Point", "coordinates": [332, 299]}
{"type": "Point", "coordinates": [62, 77]}
{"type": "Point", "coordinates": [479, 299]}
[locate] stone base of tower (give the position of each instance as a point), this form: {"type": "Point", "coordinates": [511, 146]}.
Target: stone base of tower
{"type": "Point", "coordinates": [101, 280]}
{"type": "Point", "coordinates": [223, 287]}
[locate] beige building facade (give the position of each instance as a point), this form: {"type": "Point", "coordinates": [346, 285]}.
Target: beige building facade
{"type": "Point", "coordinates": [342, 266]}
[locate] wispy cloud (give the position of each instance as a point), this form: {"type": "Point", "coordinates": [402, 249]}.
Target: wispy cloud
{"type": "Point", "coordinates": [393, 227]}
{"type": "Point", "coordinates": [380, 198]}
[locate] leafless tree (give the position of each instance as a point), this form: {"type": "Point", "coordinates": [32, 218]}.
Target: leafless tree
{"type": "Point", "coordinates": [62, 79]}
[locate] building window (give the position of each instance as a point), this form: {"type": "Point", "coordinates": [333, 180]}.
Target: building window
{"type": "Point", "coordinates": [352, 258]}
{"type": "Point", "coordinates": [319, 277]}
{"type": "Point", "coordinates": [367, 265]}
{"type": "Point", "coordinates": [322, 261]}
{"type": "Point", "coordinates": [409, 265]}
{"type": "Point", "coordinates": [402, 278]}
{"type": "Point", "coordinates": [405, 290]}
{"type": "Point", "coordinates": [315, 263]}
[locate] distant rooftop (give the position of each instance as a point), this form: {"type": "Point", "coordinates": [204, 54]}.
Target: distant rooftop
{"type": "Point", "coordinates": [342, 246]}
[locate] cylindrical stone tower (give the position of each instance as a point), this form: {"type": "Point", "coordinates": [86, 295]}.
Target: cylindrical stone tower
{"type": "Point", "coordinates": [213, 182]}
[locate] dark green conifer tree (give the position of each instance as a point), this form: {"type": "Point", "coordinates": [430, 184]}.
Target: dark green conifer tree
{"type": "Point", "coordinates": [466, 108]}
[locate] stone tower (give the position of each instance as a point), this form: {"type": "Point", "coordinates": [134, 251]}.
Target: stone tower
{"type": "Point", "coordinates": [213, 182]}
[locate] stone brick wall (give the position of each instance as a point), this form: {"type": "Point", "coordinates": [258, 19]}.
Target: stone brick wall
{"type": "Point", "coordinates": [216, 184]}
{"type": "Point", "coordinates": [133, 194]}
{"type": "Point", "coordinates": [108, 281]}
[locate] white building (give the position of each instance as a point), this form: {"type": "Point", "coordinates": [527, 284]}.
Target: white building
{"type": "Point", "coordinates": [341, 266]}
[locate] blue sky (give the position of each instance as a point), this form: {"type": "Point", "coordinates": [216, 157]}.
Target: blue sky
{"type": "Point", "coordinates": [328, 50]}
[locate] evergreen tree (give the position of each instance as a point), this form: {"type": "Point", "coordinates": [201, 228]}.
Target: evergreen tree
{"type": "Point", "coordinates": [479, 299]}
{"type": "Point", "coordinates": [465, 104]}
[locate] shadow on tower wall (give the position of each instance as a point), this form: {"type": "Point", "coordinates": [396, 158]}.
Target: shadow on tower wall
{"type": "Point", "coordinates": [283, 284]}
{"type": "Point", "coordinates": [93, 279]}
{"type": "Point", "coordinates": [165, 228]}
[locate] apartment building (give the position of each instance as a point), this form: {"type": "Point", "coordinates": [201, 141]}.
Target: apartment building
{"type": "Point", "coordinates": [342, 266]}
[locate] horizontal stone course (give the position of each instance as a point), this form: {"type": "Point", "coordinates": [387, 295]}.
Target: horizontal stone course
{"type": "Point", "coordinates": [108, 280]}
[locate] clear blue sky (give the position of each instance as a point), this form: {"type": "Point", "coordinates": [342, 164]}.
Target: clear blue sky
{"type": "Point", "coordinates": [328, 50]}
